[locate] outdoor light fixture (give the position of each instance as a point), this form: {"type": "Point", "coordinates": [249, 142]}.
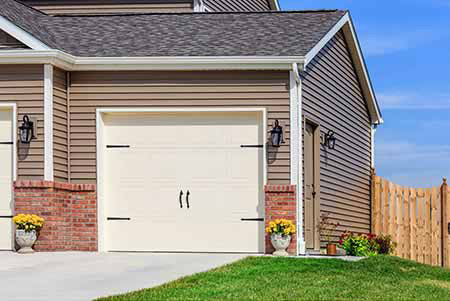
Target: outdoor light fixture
{"type": "Point", "coordinates": [26, 130]}
{"type": "Point", "coordinates": [277, 134]}
{"type": "Point", "coordinates": [329, 140]}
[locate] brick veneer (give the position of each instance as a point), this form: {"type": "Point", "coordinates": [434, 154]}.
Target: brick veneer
{"type": "Point", "coordinates": [69, 210]}
{"type": "Point", "coordinates": [281, 202]}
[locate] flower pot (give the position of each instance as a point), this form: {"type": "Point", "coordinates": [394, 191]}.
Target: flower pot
{"type": "Point", "coordinates": [25, 240]}
{"type": "Point", "coordinates": [331, 249]}
{"type": "Point", "coordinates": [280, 243]}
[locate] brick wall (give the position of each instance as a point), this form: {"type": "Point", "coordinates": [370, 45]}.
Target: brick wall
{"type": "Point", "coordinates": [69, 210]}
{"type": "Point", "coordinates": [281, 202]}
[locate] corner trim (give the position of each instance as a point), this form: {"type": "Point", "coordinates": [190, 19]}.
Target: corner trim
{"type": "Point", "coordinates": [21, 35]}
{"type": "Point", "coordinates": [48, 122]}
{"type": "Point", "coordinates": [297, 150]}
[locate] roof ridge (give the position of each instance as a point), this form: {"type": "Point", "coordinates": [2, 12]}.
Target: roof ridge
{"type": "Point", "coordinates": [199, 13]}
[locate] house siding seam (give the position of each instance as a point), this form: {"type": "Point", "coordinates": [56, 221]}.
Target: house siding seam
{"type": "Point", "coordinates": [332, 97]}
{"type": "Point", "coordinates": [237, 5]}
{"type": "Point", "coordinates": [69, 210]}
{"type": "Point", "coordinates": [92, 90]}
{"type": "Point", "coordinates": [24, 86]}
{"type": "Point", "coordinates": [7, 42]}
{"type": "Point", "coordinates": [280, 203]}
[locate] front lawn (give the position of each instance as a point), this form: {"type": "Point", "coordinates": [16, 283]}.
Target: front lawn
{"type": "Point", "coordinates": [268, 278]}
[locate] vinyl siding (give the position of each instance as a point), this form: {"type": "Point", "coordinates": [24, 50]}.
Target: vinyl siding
{"type": "Point", "coordinates": [60, 125]}
{"type": "Point", "coordinates": [92, 90]}
{"type": "Point", "coordinates": [333, 98]}
{"type": "Point", "coordinates": [8, 42]}
{"type": "Point", "coordinates": [81, 7]}
{"type": "Point", "coordinates": [24, 85]}
{"type": "Point", "coordinates": [237, 5]}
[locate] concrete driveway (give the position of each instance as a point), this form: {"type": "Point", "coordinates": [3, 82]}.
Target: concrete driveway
{"type": "Point", "coordinates": [85, 276]}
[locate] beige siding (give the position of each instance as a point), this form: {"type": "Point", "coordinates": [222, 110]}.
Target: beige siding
{"type": "Point", "coordinates": [237, 5]}
{"type": "Point", "coordinates": [80, 7]}
{"type": "Point", "coordinates": [60, 125]}
{"type": "Point", "coordinates": [24, 85]}
{"type": "Point", "coordinates": [332, 97]}
{"type": "Point", "coordinates": [8, 42]}
{"type": "Point", "coordinates": [91, 90]}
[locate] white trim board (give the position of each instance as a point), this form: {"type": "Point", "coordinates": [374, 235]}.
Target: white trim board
{"type": "Point", "coordinates": [71, 63]}
{"type": "Point", "coordinates": [101, 217]}
{"type": "Point", "coordinates": [13, 108]}
{"type": "Point", "coordinates": [48, 122]}
{"type": "Point", "coordinates": [21, 35]}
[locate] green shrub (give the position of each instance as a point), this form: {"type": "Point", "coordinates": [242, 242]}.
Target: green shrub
{"type": "Point", "coordinates": [357, 244]}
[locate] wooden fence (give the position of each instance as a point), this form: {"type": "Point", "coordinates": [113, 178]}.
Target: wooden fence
{"type": "Point", "coordinates": [418, 219]}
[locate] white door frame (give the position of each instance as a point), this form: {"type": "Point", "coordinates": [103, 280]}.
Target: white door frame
{"type": "Point", "coordinates": [101, 217]}
{"type": "Point", "coordinates": [13, 108]}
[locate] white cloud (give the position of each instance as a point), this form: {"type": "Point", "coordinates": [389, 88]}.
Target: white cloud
{"type": "Point", "coordinates": [413, 101]}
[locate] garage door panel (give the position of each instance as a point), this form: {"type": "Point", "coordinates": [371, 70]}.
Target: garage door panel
{"type": "Point", "coordinates": [199, 152]}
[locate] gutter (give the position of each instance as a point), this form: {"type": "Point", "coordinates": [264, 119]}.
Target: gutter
{"type": "Point", "coordinates": [72, 63]}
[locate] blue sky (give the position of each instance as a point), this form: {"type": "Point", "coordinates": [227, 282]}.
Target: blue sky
{"type": "Point", "coordinates": [407, 48]}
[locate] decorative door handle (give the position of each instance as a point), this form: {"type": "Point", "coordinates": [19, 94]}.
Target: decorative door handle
{"type": "Point", "coordinates": [187, 198]}
{"type": "Point", "coordinates": [181, 199]}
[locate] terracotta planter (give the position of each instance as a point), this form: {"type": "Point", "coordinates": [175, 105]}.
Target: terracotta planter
{"type": "Point", "coordinates": [331, 249]}
{"type": "Point", "coordinates": [26, 240]}
{"type": "Point", "coordinates": [280, 243]}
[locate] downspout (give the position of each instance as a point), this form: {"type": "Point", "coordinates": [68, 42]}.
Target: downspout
{"type": "Point", "coordinates": [301, 246]}
{"type": "Point", "coordinates": [373, 131]}
{"type": "Point", "coordinates": [69, 146]}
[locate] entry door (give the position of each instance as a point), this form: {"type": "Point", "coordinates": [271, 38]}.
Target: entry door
{"type": "Point", "coordinates": [312, 206]}
{"type": "Point", "coordinates": [6, 178]}
{"type": "Point", "coordinates": [182, 182]}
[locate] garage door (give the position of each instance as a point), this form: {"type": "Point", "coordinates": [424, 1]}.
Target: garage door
{"type": "Point", "coordinates": [189, 182]}
{"type": "Point", "coordinates": [6, 198]}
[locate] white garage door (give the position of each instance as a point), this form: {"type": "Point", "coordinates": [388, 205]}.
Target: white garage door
{"type": "Point", "coordinates": [184, 182]}
{"type": "Point", "coordinates": [6, 198]}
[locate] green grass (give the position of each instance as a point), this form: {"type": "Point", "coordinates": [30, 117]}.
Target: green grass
{"type": "Point", "coordinates": [268, 278]}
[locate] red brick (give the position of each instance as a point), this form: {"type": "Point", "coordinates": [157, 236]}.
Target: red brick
{"type": "Point", "coordinates": [56, 202]}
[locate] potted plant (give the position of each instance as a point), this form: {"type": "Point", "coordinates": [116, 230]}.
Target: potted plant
{"type": "Point", "coordinates": [327, 228]}
{"type": "Point", "coordinates": [281, 231]}
{"type": "Point", "coordinates": [27, 226]}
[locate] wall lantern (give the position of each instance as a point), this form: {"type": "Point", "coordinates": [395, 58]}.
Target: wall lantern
{"type": "Point", "coordinates": [329, 140]}
{"type": "Point", "coordinates": [26, 130]}
{"type": "Point", "coordinates": [277, 134]}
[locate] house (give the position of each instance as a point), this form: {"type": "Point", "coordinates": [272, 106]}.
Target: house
{"type": "Point", "coordinates": [153, 131]}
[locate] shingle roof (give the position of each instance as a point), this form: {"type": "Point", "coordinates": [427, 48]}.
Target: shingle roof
{"type": "Point", "coordinates": [184, 34]}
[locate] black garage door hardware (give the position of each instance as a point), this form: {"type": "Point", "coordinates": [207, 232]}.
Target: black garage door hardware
{"type": "Point", "coordinates": [118, 218]}
{"type": "Point", "coordinates": [6, 216]}
{"type": "Point", "coordinates": [252, 219]}
{"type": "Point", "coordinates": [117, 146]}
{"type": "Point", "coordinates": [253, 146]}
{"type": "Point", "coordinates": [6, 143]}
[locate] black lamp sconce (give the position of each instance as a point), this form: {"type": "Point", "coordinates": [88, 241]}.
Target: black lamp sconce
{"type": "Point", "coordinates": [27, 130]}
{"type": "Point", "coordinates": [329, 140]}
{"type": "Point", "coordinates": [277, 134]}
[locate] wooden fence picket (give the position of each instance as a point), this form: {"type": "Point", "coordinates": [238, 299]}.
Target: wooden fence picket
{"type": "Point", "coordinates": [413, 237]}
{"type": "Point", "coordinates": [427, 230]}
{"type": "Point", "coordinates": [406, 221]}
{"type": "Point", "coordinates": [386, 207]}
{"type": "Point", "coordinates": [435, 242]}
